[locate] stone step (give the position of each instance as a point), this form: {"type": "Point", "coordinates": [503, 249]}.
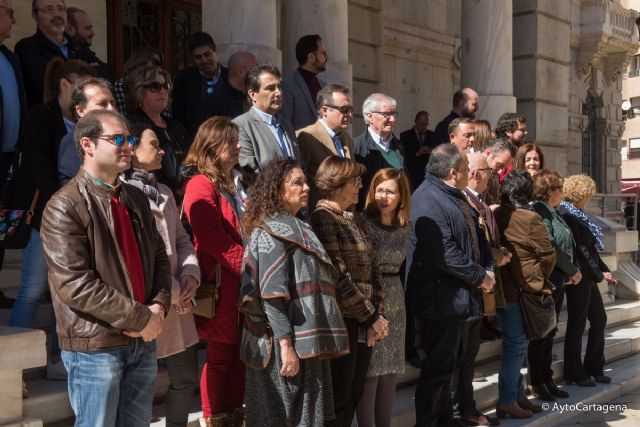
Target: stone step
{"type": "Point", "coordinates": [49, 400]}
{"type": "Point", "coordinates": [622, 343]}
{"type": "Point", "coordinates": [620, 312]}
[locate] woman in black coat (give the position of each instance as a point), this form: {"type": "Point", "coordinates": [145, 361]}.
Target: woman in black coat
{"type": "Point", "coordinates": [584, 301]}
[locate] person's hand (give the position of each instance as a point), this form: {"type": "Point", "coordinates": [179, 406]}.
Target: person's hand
{"type": "Point", "coordinates": [290, 361]}
{"type": "Point", "coordinates": [610, 278]}
{"type": "Point", "coordinates": [423, 151]}
{"type": "Point", "coordinates": [153, 327]}
{"type": "Point", "coordinates": [576, 278]}
{"type": "Point", "coordinates": [488, 282]}
{"type": "Point", "coordinates": [188, 287]}
{"type": "Point", "coordinates": [381, 327]}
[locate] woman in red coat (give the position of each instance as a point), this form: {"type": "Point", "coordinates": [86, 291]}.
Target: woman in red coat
{"type": "Point", "coordinates": [214, 202]}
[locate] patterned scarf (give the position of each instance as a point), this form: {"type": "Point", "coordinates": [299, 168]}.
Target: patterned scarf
{"type": "Point", "coordinates": [145, 181]}
{"type": "Point", "coordinates": [595, 229]}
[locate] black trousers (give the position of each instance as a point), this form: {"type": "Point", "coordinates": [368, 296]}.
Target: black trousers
{"type": "Point", "coordinates": [584, 302]}
{"type": "Point", "coordinates": [442, 343]}
{"type": "Point", "coordinates": [540, 352]}
{"type": "Point", "coordinates": [463, 380]}
{"type": "Point", "coordinates": [183, 382]}
{"type": "Point", "coordinates": [348, 374]}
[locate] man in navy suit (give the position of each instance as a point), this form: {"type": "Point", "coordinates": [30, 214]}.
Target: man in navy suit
{"type": "Point", "coordinates": [12, 105]}
{"type": "Point", "coordinates": [193, 83]}
{"type": "Point", "coordinates": [417, 143]}
{"type": "Point", "coordinates": [301, 88]}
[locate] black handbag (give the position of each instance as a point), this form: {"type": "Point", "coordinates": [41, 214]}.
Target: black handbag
{"type": "Point", "coordinates": [539, 314]}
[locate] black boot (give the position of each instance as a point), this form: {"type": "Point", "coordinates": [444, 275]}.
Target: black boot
{"type": "Point", "coordinates": [553, 389]}
{"type": "Point", "coordinates": [541, 392]}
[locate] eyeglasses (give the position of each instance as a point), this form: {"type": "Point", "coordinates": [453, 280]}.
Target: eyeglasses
{"type": "Point", "coordinates": [385, 192]}
{"type": "Point", "coordinates": [119, 139]}
{"type": "Point", "coordinates": [10, 11]}
{"type": "Point", "coordinates": [356, 179]}
{"type": "Point", "coordinates": [344, 109]}
{"type": "Point", "coordinates": [49, 10]}
{"type": "Point", "coordinates": [321, 52]}
{"type": "Point", "coordinates": [158, 87]}
{"type": "Point", "coordinates": [387, 114]}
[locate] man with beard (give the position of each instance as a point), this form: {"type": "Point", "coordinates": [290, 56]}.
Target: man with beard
{"type": "Point", "coordinates": [192, 84]}
{"type": "Point", "coordinates": [513, 127]}
{"type": "Point", "coordinates": [465, 104]}
{"type": "Point", "coordinates": [263, 133]}
{"type": "Point", "coordinates": [80, 29]}
{"type": "Point", "coordinates": [302, 87]}
{"type": "Point", "coordinates": [49, 41]}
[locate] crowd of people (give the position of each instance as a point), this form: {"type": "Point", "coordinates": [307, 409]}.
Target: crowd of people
{"type": "Point", "coordinates": [231, 205]}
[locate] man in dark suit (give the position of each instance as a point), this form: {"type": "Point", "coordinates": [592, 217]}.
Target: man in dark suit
{"type": "Point", "coordinates": [80, 30]}
{"type": "Point", "coordinates": [301, 88]}
{"type": "Point", "coordinates": [465, 104]}
{"type": "Point", "coordinates": [193, 83]}
{"type": "Point", "coordinates": [417, 144]}
{"type": "Point", "coordinates": [231, 99]}
{"type": "Point", "coordinates": [263, 134]}
{"type": "Point", "coordinates": [327, 136]}
{"type": "Point", "coordinates": [48, 42]}
{"type": "Point", "coordinates": [13, 106]}
{"type": "Point", "coordinates": [450, 265]}
{"type": "Point", "coordinates": [377, 147]}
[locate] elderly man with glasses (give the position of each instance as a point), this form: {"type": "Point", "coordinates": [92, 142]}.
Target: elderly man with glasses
{"type": "Point", "coordinates": [377, 147]}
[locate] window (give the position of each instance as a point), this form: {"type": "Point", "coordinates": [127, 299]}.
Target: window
{"type": "Point", "coordinates": [634, 68]}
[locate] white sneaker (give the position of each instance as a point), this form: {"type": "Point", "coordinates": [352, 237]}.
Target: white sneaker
{"type": "Point", "coordinates": [56, 371]}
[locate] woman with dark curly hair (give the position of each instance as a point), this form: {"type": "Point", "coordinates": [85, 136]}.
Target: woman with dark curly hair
{"type": "Point", "coordinates": [292, 320]}
{"type": "Point", "coordinates": [213, 202]}
{"type": "Point", "coordinates": [359, 285]}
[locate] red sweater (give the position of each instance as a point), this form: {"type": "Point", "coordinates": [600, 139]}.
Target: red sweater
{"type": "Point", "coordinates": [128, 244]}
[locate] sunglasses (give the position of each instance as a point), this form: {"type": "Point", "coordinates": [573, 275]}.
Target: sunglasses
{"type": "Point", "coordinates": [119, 139]}
{"type": "Point", "coordinates": [387, 114]}
{"type": "Point", "coordinates": [344, 109]}
{"type": "Point", "coordinates": [158, 87]}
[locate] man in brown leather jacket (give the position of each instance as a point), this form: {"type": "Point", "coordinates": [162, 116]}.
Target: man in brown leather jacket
{"type": "Point", "coordinates": [110, 279]}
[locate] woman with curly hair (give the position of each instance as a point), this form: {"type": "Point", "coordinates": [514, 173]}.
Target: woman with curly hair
{"type": "Point", "coordinates": [584, 301]}
{"type": "Point", "coordinates": [213, 203]}
{"type": "Point", "coordinates": [529, 158]}
{"type": "Point", "coordinates": [292, 320]}
{"type": "Point", "coordinates": [359, 285]}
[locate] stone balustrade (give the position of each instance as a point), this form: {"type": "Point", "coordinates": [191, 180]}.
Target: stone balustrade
{"type": "Point", "coordinates": [19, 349]}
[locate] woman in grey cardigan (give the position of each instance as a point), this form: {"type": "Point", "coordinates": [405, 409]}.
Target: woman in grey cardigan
{"type": "Point", "coordinates": [292, 321]}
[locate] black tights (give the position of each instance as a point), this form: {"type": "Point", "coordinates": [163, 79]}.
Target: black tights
{"type": "Point", "coordinates": [376, 404]}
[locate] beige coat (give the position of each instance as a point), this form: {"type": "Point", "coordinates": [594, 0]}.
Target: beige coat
{"type": "Point", "coordinates": [178, 330]}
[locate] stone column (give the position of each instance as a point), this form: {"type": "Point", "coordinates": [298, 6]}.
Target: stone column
{"type": "Point", "coordinates": [329, 19]}
{"type": "Point", "coordinates": [243, 25]}
{"type": "Point", "coordinates": [487, 65]}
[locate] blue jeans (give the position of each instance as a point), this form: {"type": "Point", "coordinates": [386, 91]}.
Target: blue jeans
{"type": "Point", "coordinates": [514, 348]}
{"type": "Point", "coordinates": [33, 285]}
{"type": "Point", "coordinates": [112, 387]}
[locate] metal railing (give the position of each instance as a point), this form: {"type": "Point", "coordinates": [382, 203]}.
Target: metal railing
{"type": "Point", "coordinates": [618, 214]}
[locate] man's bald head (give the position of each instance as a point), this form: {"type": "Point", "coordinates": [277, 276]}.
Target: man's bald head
{"type": "Point", "coordinates": [239, 65]}
{"type": "Point", "coordinates": [479, 172]}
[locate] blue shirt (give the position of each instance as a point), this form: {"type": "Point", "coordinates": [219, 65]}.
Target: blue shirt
{"type": "Point", "coordinates": [384, 145]}
{"type": "Point", "coordinates": [335, 137]}
{"type": "Point", "coordinates": [277, 131]}
{"type": "Point", "coordinates": [68, 159]}
{"type": "Point", "coordinates": [64, 46]}
{"type": "Point", "coordinates": [68, 124]}
{"type": "Point", "coordinates": [10, 105]}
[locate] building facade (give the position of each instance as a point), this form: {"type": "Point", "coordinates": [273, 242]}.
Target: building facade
{"type": "Point", "coordinates": [559, 63]}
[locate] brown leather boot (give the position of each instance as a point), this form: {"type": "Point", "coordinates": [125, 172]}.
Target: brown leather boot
{"type": "Point", "coordinates": [514, 411]}
{"type": "Point", "coordinates": [217, 420]}
{"type": "Point", "coordinates": [525, 403]}
{"type": "Point", "coordinates": [236, 418]}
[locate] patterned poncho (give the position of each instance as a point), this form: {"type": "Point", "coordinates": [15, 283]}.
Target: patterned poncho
{"type": "Point", "coordinates": [284, 259]}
